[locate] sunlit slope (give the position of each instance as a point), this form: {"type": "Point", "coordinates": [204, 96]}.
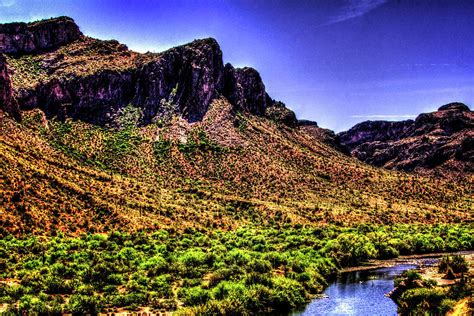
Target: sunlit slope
{"type": "Point", "coordinates": [228, 170]}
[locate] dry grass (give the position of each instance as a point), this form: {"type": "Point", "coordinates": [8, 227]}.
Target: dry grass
{"type": "Point", "coordinates": [223, 172]}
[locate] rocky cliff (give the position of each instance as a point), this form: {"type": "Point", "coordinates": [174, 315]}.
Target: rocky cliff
{"type": "Point", "coordinates": [441, 139]}
{"type": "Point", "coordinates": [23, 38]}
{"type": "Point", "coordinates": [69, 75]}
{"type": "Point", "coordinates": [7, 101]}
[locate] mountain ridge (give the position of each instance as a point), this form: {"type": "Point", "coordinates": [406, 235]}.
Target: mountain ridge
{"type": "Point", "coordinates": [187, 77]}
{"type": "Point", "coordinates": [51, 65]}
{"type": "Point", "coordinates": [439, 141]}
{"type": "Point", "coordinates": [189, 141]}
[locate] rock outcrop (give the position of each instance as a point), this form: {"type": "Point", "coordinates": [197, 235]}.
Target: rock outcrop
{"type": "Point", "coordinates": [94, 80]}
{"type": "Point", "coordinates": [7, 101]}
{"type": "Point", "coordinates": [188, 76]}
{"type": "Point", "coordinates": [444, 138]}
{"type": "Point", "coordinates": [245, 89]}
{"type": "Point", "coordinates": [278, 112]}
{"type": "Point", "coordinates": [27, 38]}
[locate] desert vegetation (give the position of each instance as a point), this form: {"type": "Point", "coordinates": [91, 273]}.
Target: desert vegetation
{"type": "Point", "coordinates": [170, 182]}
{"type": "Point", "coordinates": [64, 175]}
{"type": "Point", "coordinates": [199, 271]}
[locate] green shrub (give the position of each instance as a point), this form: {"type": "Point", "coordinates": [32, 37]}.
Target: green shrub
{"type": "Point", "coordinates": [286, 293]}
{"type": "Point", "coordinates": [32, 304]}
{"type": "Point", "coordinates": [193, 296]}
{"type": "Point", "coordinates": [83, 304]}
{"type": "Point", "coordinates": [457, 263]}
{"type": "Point", "coordinates": [162, 285]}
{"type": "Point", "coordinates": [422, 300]}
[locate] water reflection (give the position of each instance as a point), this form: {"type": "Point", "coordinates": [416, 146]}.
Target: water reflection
{"type": "Point", "coordinates": [359, 293]}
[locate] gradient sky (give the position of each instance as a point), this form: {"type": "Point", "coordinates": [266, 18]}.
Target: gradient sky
{"type": "Point", "coordinates": [337, 62]}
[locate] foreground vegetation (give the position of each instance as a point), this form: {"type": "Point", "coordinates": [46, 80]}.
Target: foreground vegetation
{"type": "Point", "coordinates": [199, 271]}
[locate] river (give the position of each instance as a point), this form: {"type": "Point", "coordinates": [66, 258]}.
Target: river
{"type": "Point", "coordinates": [360, 293]}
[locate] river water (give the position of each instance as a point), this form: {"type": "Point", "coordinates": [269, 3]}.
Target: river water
{"type": "Point", "coordinates": [360, 293]}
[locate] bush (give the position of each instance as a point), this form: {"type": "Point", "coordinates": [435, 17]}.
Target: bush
{"type": "Point", "coordinates": [286, 294]}
{"type": "Point", "coordinates": [422, 300]}
{"type": "Point", "coordinates": [456, 263]}
{"type": "Point", "coordinates": [83, 304]}
{"type": "Point", "coordinates": [193, 296]}
{"type": "Point", "coordinates": [162, 285]}
{"type": "Point", "coordinates": [32, 304]}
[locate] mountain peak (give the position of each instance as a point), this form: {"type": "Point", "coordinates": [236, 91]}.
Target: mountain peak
{"type": "Point", "coordinates": [458, 106]}
{"type": "Point", "coordinates": [182, 80]}
{"type": "Point", "coordinates": [27, 38]}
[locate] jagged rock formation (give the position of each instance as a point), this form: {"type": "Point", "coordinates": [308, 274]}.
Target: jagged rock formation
{"type": "Point", "coordinates": [23, 38]}
{"type": "Point", "coordinates": [444, 138]}
{"type": "Point", "coordinates": [94, 80]}
{"type": "Point", "coordinates": [7, 101]}
{"type": "Point", "coordinates": [54, 67]}
{"type": "Point", "coordinates": [245, 89]}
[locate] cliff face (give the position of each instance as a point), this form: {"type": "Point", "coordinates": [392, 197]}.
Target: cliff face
{"type": "Point", "coordinates": [94, 80]}
{"type": "Point", "coordinates": [7, 101]}
{"type": "Point", "coordinates": [443, 138]}
{"type": "Point", "coordinates": [245, 89]}
{"type": "Point", "coordinates": [23, 38]}
{"type": "Point", "coordinates": [371, 131]}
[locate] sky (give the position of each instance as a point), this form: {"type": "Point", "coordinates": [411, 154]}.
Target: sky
{"type": "Point", "coordinates": [337, 62]}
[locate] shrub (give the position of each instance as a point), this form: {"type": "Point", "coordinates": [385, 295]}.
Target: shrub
{"type": "Point", "coordinates": [162, 285]}
{"type": "Point", "coordinates": [155, 265]}
{"type": "Point", "coordinates": [457, 263]}
{"type": "Point", "coordinates": [286, 294]}
{"type": "Point", "coordinates": [422, 300]}
{"type": "Point", "coordinates": [193, 296]}
{"type": "Point", "coordinates": [32, 304]}
{"type": "Point", "coordinates": [83, 304]}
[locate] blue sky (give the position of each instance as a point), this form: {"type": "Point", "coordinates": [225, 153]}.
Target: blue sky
{"type": "Point", "coordinates": [336, 62]}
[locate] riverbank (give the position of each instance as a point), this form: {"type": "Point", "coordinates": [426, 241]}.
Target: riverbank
{"type": "Point", "coordinates": [445, 288]}
{"type": "Point", "coordinates": [409, 259]}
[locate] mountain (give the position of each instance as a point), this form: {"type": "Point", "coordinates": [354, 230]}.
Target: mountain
{"type": "Point", "coordinates": [109, 138]}
{"type": "Point", "coordinates": [441, 141]}
{"type": "Point", "coordinates": [172, 182]}
{"type": "Point", "coordinates": [67, 74]}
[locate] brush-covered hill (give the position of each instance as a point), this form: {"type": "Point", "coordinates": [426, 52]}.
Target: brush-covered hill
{"type": "Point", "coordinates": [108, 138]}
{"type": "Point", "coordinates": [440, 142]}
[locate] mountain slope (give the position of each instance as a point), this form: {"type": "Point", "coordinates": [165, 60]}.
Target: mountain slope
{"type": "Point", "coordinates": [441, 140]}
{"type": "Point", "coordinates": [111, 138]}
{"type": "Point", "coordinates": [222, 172]}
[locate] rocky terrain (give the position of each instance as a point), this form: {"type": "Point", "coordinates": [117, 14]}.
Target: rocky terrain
{"type": "Point", "coordinates": [174, 129]}
{"type": "Point", "coordinates": [442, 140]}
{"type": "Point", "coordinates": [66, 74]}
{"type": "Point", "coordinates": [52, 66]}
{"type": "Point", "coordinates": [7, 100]}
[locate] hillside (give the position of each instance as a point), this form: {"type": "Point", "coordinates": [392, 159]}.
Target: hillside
{"type": "Point", "coordinates": [118, 122]}
{"type": "Point", "coordinates": [173, 181]}
{"type": "Point", "coordinates": [441, 142]}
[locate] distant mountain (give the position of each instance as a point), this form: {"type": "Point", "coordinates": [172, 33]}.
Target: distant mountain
{"type": "Point", "coordinates": [441, 141]}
